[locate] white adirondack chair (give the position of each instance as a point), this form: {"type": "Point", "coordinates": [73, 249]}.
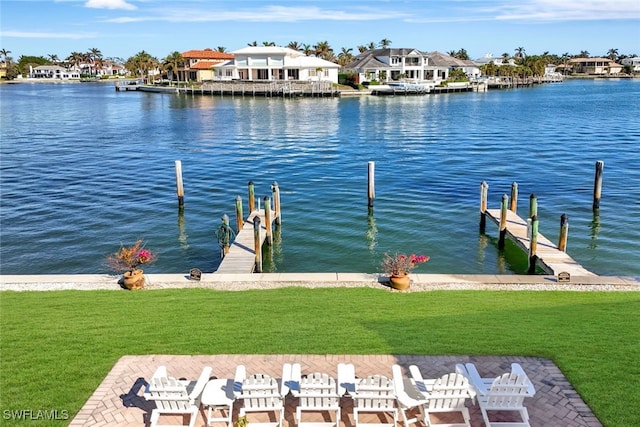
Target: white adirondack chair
{"type": "Point", "coordinates": [318, 393]}
{"type": "Point", "coordinates": [505, 393]}
{"type": "Point", "coordinates": [375, 394]}
{"type": "Point", "coordinates": [260, 393]}
{"type": "Point", "coordinates": [409, 398]}
{"type": "Point", "coordinates": [346, 379]}
{"type": "Point", "coordinates": [449, 394]}
{"type": "Point", "coordinates": [175, 397]}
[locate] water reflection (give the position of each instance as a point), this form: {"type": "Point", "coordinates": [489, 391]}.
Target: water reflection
{"type": "Point", "coordinates": [182, 231]}
{"type": "Point", "coordinates": [595, 229]}
{"type": "Point", "coordinates": [372, 231]}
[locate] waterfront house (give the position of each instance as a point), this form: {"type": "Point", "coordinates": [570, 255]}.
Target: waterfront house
{"type": "Point", "coordinates": [490, 59]}
{"type": "Point", "coordinates": [110, 68]}
{"type": "Point", "coordinates": [634, 62]}
{"type": "Point", "coordinates": [53, 72]}
{"type": "Point", "coordinates": [597, 66]}
{"type": "Point", "coordinates": [384, 65]}
{"type": "Point", "coordinates": [274, 63]}
{"type": "Point", "coordinates": [442, 63]}
{"type": "Point", "coordinates": [200, 65]}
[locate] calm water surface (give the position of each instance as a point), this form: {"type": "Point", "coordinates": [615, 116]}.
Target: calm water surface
{"type": "Point", "coordinates": [84, 168]}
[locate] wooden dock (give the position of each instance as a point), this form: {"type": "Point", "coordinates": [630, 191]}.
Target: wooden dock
{"type": "Point", "coordinates": [241, 257]}
{"type": "Point", "coordinates": [549, 257]}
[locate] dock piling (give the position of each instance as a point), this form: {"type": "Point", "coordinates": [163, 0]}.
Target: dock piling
{"type": "Point", "coordinates": [239, 217]}
{"type": "Point", "coordinates": [484, 191]}
{"type": "Point", "coordinates": [533, 206]}
{"type": "Point", "coordinates": [371, 184]}
{"type": "Point", "coordinates": [533, 244]}
{"type": "Point", "coordinates": [257, 244]}
{"type": "Point", "coordinates": [564, 231]}
{"type": "Point", "coordinates": [252, 199]}
{"type": "Point", "coordinates": [514, 197]}
{"type": "Point", "coordinates": [276, 202]}
{"type": "Point", "coordinates": [597, 185]}
{"type": "Point", "coordinates": [503, 221]}
{"type": "Point", "coordinates": [267, 220]}
{"type": "Point", "coordinates": [179, 185]}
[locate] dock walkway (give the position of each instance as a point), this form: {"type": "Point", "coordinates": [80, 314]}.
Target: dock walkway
{"type": "Point", "coordinates": [241, 257]}
{"type": "Point", "coordinates": [549, 257]}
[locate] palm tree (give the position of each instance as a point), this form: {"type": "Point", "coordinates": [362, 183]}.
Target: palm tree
{"type": "Point", "coordinates": [371, 46]}
{"type": "Point", "coordinates": [324, 51]}
{"type": "Point", "coordinates": [294, 46]}
{"type": "Point", "coordinates": [519, 54]}
{"type": "Point", "coordinates": [345, 56]}
{"type": "Point", "coordinates": [75, 59]}
{"type": "Point", "coordinates": [53, 58]}
{"type": "Point", "coordinates": [4, 53]}
{"type": "Point", "coordinates": [254, 43]}
{"type": "Point", "coordinates": [505, 58]}
{"type": "Point", "coordinates": [361, 48]}
{"type": "Point", "coordinates": [91, 56]}
{"type": "Point", "coordinates": [141, 63]}
{"type": "Point", "coordinates": [307, 49]}
{"type": "Point", "coordinates": [173, 62]}
{"type": "Point", "coordinates": [584, 54]}
{"type": "Point", "coordinates": [612, 54]}
{"type": "Point", "coordinates": [268, 44]}
{"type": "Point", "coordinates": [222, 49]}
{"type": "Point", "coordinates": [384, 43]}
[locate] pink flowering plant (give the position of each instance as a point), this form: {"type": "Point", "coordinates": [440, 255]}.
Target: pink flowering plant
{"type": "Point", "coordinates": [130, 257]}
{"type": "Point", "coordinates": [401, 264]}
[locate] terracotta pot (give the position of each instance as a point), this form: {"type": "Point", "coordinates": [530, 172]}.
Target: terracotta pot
{"type": "Point", "coordinates": [400, 282]}
{"type": "Point", "coordinates": [134, 279]}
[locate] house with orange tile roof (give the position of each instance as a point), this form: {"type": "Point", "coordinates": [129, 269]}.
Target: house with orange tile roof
{"type": "Point", "coordinates": [595, 66]}
{"type": "Point", "coordinates": [200, 65]}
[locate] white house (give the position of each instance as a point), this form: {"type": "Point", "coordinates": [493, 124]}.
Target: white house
{"type": "Point", "coordinates": [490, 59]}
{"type": "Point", "coordinates": [276, 63]}
{"type": "Point", "coordinates": [385, 65]}
{"type": "Point", "coordinates": [634, 62]}
{"type": "Point", "coordinates": [390, 64]}
{"type": "Point", "coordinates": [53, 72]}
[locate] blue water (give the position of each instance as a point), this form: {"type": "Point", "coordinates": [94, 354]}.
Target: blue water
{"type": "Point", "coordinates": [84, 168]}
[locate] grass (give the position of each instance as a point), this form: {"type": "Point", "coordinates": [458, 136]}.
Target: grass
{"type": "Point", "coordinates": [57, 347]}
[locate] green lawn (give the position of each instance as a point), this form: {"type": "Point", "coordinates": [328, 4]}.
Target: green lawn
{"type": "Point", "coordinates": [56, 347]}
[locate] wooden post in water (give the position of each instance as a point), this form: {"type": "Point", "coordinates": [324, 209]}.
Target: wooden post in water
{"type": "Point", "coordinates": [179, 187]}
{"type": "Point", "coordinates": [597, 186]}
{"type": "Point", "coordinates": [503, 221]}
{"type": "Point", "coordinates": [564, 231]}
{"type": "Point", "coordinates": [252, 198]}
{"type": "Point", "coordinates": [514, 197]}
{"type": "Point", "coordinates": [239, 216]}
{"type": "Point", "coordinates": [533, 206]}
{"type": "Point", "coordinates": [276, 202]}
{"type": "Point", "coordinates": [226, 238]}
{"type": "Point", "coordinates": [256, 244]}
{"type": "Point", "coordinates": [267, 220]}
{"type": "Point", "coordinates": [484, 191]}
{"type": "Point", "coordinates": [371, 183]}
{"type": "Point", "coordinates": [533, 244]}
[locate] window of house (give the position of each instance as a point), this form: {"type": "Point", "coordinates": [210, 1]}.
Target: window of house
{"type": "Point", "coordinates": [263, 74]}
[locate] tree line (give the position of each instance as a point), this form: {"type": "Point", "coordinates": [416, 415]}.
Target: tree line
{"type": "Point", "coordinates": [142, 62]}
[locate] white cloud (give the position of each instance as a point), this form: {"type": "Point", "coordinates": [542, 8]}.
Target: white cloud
{"type": "Point", "coordinates": [109, 4]}
{"type": "Point", "coordinates": [265, 14]}
{"type": "Point", "coordinates": [39, 35]}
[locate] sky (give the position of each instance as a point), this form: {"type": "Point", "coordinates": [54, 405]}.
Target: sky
{"type": "Point", "coordinates": [122, 28]}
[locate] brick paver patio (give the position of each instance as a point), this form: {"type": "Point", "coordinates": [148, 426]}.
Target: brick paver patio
{"type": "Point", "coordinates": [119, 401]}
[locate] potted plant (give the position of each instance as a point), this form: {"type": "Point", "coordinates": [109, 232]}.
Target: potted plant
{"type": "Point", "coordinates": [398, 267]}
{"type": "Point", "coordinates": [127, 259]}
